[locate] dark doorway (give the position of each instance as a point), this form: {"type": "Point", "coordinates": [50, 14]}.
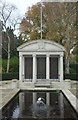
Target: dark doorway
{"type": "Point", "coordinates": [53, 68]}
{"type": "Point", "coordinates": [41, 67]}
{"type": "Point", "coordinates": [28, 67]}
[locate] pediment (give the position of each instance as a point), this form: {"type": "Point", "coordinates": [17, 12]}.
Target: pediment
{"type": "Point", "coordinates": [41, 45]}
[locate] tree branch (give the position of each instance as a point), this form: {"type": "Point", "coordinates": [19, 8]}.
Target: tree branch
{"type": "Point", "coordinates": [5, 49]}
{"type": "Point", "coordinates": [8, 15]}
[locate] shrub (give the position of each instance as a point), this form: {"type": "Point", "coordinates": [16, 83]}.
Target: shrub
{"type": "Point", "coordinates": [71, 76]}
{"type": "Point", "coordinates": [73, 68]}
{"type": "Point", "coordinates": [10, 76]}
{"type": "Point", "coordinates": [14, 64]}
{"type": "Point", "coordinates": [4, 65]}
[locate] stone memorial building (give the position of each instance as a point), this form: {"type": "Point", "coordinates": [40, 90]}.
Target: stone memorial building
{"type": "Point", "coordinates": [40, 60]}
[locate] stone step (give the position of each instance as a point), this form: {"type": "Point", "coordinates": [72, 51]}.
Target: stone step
{"type": "Point", "coordinates": [42, 82]}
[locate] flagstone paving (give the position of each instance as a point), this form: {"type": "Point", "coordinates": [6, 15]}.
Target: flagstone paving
{"type": "Point", "coordinates": [6, 95]}
{"type": "Point", "coordinates": [74, 92]}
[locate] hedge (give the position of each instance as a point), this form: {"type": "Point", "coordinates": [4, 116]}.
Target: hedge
{"type": "Point", "coordinates": [71, 76]}
{"type": "Point", "coordinates": [74, 67]}
{"type": "Point", "coordinates": [14, 65]}
{"type": "Point", "coordinates": [10, 76]}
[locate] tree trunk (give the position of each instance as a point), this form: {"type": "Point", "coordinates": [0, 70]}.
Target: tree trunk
{"type": "Point", "coordinates": [67, 63]}
{"type": "Point", "coordinates": [8, 62]}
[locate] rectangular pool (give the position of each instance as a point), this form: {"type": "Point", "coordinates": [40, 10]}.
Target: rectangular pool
{"type": "Point", "coordinates": [26, 107]}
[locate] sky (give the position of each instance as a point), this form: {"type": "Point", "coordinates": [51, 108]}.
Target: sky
{"type": "Point", "coordinates": [23, 5]}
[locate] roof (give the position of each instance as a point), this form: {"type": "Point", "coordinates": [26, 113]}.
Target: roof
{"type": "Point", "coordinates": [40, 45]}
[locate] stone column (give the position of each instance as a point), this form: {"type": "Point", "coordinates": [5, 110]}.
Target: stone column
{"type": "Point", "coordinates": [20, 68]}
{"type": "Point", "coordinates": [23, 65]}
{"type": "Point", "coordinates": [61, 68]}
{"type": "Point", "coordinates": [34, 97]}
{"type": "Point", "coordinates": [47, 67]}
{"type": "Point", "coordinates": [34, 68]}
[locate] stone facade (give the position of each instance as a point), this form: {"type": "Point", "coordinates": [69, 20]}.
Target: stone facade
{"type": "Point", "coordinates": [40, 47]}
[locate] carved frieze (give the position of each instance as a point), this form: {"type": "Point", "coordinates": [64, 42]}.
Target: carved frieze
{"type": "Point", "coordinates": [41, 46]}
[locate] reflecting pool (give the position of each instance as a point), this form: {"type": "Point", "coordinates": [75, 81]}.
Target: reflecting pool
{"type": "Point", "coordinates": [24, 106]}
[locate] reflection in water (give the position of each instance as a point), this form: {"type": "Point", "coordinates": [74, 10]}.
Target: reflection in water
{"type": "Point", "coordinates": [25, 105]}
{"type": "Point", "coordinates": [40, 109]}
{"type": "Point", "coordinates": [16, 112]}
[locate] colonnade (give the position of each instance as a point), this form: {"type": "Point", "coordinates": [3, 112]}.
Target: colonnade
{"type": "Point", "coordinates": [21, 67]}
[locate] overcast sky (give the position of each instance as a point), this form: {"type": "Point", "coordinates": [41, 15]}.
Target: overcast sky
{"type": "Point", "coordinates": [22, 5]}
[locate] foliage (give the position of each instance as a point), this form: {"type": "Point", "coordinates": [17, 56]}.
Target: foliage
{"type": "Point", "coordinates": [8, 19]}
{"type": "Point", "coordinates": [4, 65]}
{"type": "Point", "coordinates": [57, 20]}
{"type": "Point", "coordinates": [57, 91]}
{"type": "Point", "coordinates": [15, 42]}
{"type": "Point", "coordinates": [14, 65]}
{"type": "Point", "coordinates": [10, 76]}
{"type": "Point", "coordinates": [74, 59]}
{"type": "Point", "coordinates": [59, 24]}
{"type": "Point", "coordinates": [0, 69]}
{"type": "Point", "coordinates": [71, 76]}
{"type": "Point", "coordinates": [0, 65]}
{"type": "Point", "coordinates": [75, 50]}
{"type": "Point", "coordinates": [73, 68]}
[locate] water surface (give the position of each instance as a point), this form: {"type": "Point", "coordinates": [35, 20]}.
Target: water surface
{"type": "Point", "coordinates": [23, 106]}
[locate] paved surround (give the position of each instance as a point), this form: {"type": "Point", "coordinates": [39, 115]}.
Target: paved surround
{"type": "Point", "coordinates": [72, 99]}
{"type": "Point", "coordinates": [74, 91]}
{"type": "Point", "coordinates": [8, 94]}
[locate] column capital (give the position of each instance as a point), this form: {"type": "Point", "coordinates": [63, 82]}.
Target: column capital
{"type": "Point", "coordinates": [34, 55]}
{"type": "Point", "coordinates": [47, 55]}
{"type": "Point", "coordinates": [61, 55]}
{"type": "Point", "coordinates": [20, 55]}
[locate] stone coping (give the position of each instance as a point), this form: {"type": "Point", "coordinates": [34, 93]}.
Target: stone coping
{"type": "Point", "coordinates": [72, 81]}
{"type": "Point", "coordinates": [41, 89]}
{"type": "Point", "coordinates": [71, 98]}
{"type": "Point", "coordinates": [10, 93]}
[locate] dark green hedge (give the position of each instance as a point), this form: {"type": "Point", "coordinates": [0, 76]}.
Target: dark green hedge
{"type": "Point", "coordinates": [74, 67]}
{"type": "Point", "coordinates": [10, 76]}
{"type": "Point", "coordinates": [72, 76]}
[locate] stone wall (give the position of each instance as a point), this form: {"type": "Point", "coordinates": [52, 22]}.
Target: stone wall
{"type": "Point", "coordinates": [14, 84]}
{"type": "Point", "coordinates": [9, 84]}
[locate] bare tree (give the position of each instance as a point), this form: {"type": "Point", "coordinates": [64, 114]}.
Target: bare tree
{"type": "Point", "coordinates": [7, 12]}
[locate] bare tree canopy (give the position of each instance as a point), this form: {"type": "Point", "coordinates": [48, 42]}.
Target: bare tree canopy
{"type": "Point", "coordinates": [8, 18]}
